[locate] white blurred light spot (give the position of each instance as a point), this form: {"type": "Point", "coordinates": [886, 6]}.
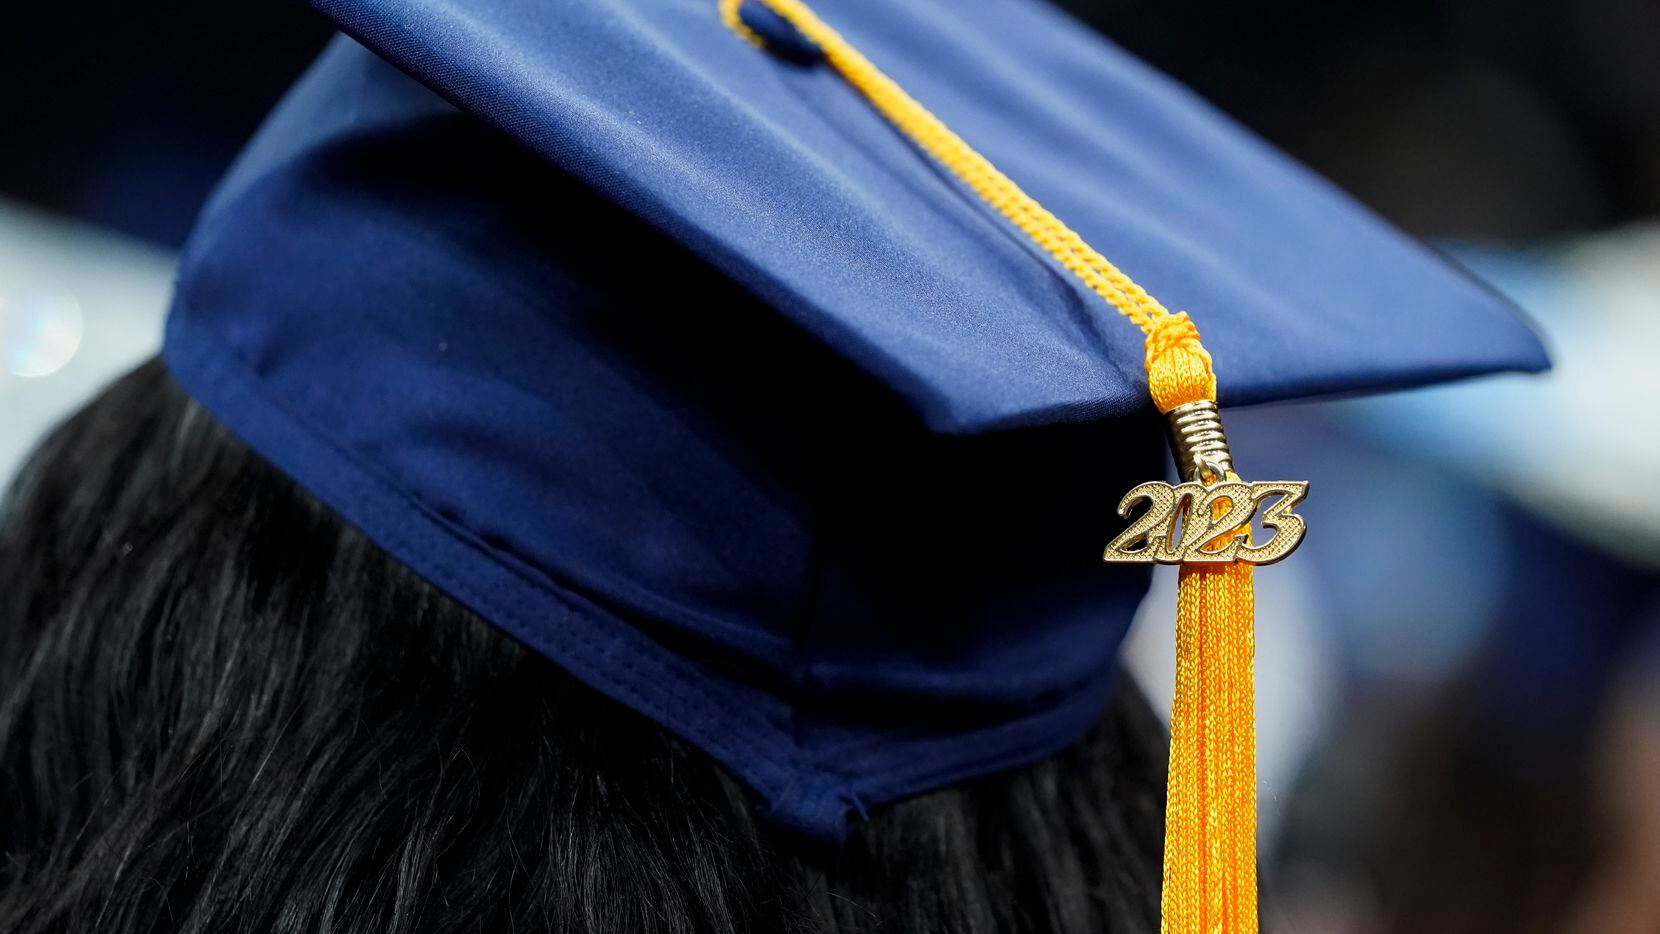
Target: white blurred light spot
{"type": "Point", "coordinates": [39, 332]}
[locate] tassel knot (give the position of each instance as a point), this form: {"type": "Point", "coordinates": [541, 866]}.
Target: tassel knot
{"type": "Point", "coordinates": [1178, 365]}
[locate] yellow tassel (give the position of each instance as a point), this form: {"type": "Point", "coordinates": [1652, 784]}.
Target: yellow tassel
{"type": "Point", "coordinates": [1210, 814]}
{"type": "Point", "coordinates": [1210, 883]}
{"type": "Point", "coordinates": [1210, 869]}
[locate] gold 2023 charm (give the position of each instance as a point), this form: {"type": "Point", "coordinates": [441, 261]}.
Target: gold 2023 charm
{"type": "Point", "coordinates": [1213, 504]}
{"type": "Point", "coordinates": [1207, 514]}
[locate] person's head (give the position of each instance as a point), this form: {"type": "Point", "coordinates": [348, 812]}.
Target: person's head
{"type": "Point", "coordinates": [222, 709]}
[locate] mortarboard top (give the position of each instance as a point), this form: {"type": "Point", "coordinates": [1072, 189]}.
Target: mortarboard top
{"type": "Point", "coordinates": [669, 357]}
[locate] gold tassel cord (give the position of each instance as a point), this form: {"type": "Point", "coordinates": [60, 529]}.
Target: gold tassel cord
{"type": "Point", "coordinates": [1210, 827]}
{"type": "Point", "coordinates": [1210, 813]}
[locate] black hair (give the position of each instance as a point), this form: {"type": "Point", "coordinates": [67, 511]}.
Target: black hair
{"type": "Point", "coordinates": [222, 709]}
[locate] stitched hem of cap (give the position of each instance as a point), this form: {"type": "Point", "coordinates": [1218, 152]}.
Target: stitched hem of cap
{"type": "Point", "coordinates": [798, 788]}
{"type": "Point", "coordinates": [1064, 724]}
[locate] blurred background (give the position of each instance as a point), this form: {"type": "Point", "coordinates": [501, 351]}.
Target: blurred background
{"type": "Point", "coordinates": [1459, 701]}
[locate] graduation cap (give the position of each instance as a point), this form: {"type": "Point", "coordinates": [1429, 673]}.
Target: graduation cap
{"type": "Point", "coordinates": [674, 340]}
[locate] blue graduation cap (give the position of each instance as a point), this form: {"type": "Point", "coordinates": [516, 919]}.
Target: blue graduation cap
{"type": "Point", "coordinates": [670, 357]}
